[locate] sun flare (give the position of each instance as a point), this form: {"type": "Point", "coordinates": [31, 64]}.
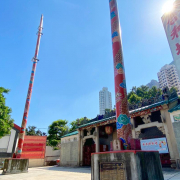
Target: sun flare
{"type": "Point", "coordinates": [168, 7]}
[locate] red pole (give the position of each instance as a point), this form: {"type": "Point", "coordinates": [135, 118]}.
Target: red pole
{"type": "Point", "coordinates": [124, 132]}
{"type": "Point", "coordinates": [26, 109]}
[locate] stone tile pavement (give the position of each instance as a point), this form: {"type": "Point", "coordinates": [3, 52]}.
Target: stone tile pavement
{"type": "Point", "coordinates": [171, 174]}
{"type": "Point", "coordinates": [51, 173]}
{"type": "Point", "coordinates": [66, 173]}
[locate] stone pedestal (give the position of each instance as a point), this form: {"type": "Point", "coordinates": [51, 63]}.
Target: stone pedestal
{"type": "Point", "coordinates": [126, 165]}
{"type": "Point", "coordinates": [14, 166]}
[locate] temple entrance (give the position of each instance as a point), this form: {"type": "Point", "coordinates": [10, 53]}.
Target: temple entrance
{"type": "Point", "coordinates": [89, 147]}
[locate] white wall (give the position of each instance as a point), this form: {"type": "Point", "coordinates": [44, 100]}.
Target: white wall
{"type": "Point", "coordinates": [69, 151]}
{"type": "Point", "coordinates": [11, 141]}
{"type": "Point", "coordinates": [51, 154]}
{"type": "Point", "coordinates": [6, 142]}
{"type": "Point", "coordinates": [70, 139]}
{"type": "Point", "coordinates": [69, 154]}
{"type": "Point", "coordinates": [36, 162]}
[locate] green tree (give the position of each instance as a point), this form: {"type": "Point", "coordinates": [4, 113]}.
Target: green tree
{"type": "Point", "coordinates": [153, 92]}
{"type": "Point", "coordinates": [173, 89]}
{"type": "Point", "coordinates": [134, 98]}
{"type": "Point", "coordinates": [77, 122]}
{"type": "Point", "coordinates": [129, 94]}
{"type": "Point", "coordinates": [107, 111]}
{"type": "Point", "coordinates": [55, 131]}
{"type": "Point", "coordinates": [143, 92]}
{"type": "Point", "coordinates": [134, 89]}
{"type": "Point", "coordinates": [6, 122]}
{"type": "Point", "coordinates": [31, 131]}
{"type": "Point", "coordinates": [74, 125]}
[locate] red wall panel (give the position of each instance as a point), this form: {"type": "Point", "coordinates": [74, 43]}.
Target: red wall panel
{"type": "Point", "coordinates": [34, 147]}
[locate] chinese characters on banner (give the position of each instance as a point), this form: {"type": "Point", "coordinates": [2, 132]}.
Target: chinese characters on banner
{"type": "Point", "coordinates": [157, 144]}
{"type": "Point", "coordinates": [171, 23]}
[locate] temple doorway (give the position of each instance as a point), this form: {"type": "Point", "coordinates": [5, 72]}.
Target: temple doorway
{"type": "Point", "coordinates": [89, 147]}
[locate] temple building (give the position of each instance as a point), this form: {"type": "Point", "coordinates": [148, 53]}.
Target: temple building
{"type": "Point", "coordinates": [156, 122]}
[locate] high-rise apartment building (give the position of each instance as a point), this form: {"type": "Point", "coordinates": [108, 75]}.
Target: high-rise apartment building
{"type": "Point", "coordinates": [105, 100]}
{"type": "Point", "coordinates": [168, 76]}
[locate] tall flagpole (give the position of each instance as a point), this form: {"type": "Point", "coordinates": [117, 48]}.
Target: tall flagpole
{"type": "Point", "coordinates": [124, 132]}
{"type": "Point", "coordinates": [26, 109]}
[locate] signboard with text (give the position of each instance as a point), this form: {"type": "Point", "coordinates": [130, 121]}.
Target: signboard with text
{"type": "Point", "coordinates": [171, 23]}
{"type": "Point", "coordinates": [112, 171]}
{"type": "Point", "coordinates": [157, 144]}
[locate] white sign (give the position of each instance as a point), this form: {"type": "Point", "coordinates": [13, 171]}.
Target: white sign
{"type": "Point", "coordinates": [171, 23]}
{"type": "Point", "coordinates": [157, 144]}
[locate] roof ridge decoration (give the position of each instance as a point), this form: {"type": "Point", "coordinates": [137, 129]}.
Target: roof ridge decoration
{"type": "Point", "coordinates": [101, 122]}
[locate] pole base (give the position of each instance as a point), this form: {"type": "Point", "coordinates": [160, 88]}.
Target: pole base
{"type": "Point", "coordinates": [15, 166]}
{"type": "Point", "coordinates": [126, 165]}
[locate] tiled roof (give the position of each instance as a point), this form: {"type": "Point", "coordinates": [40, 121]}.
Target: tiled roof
{"type": "Point", "coordinates": [70, 134]}
{"type": "Point", "coordinates": [176, 108]}
{"type": "Point", "coordinates": [98, 121]}
{"type": "Point", "coordinates": [133, 111]}
{"type": "Point", "coordinates": [148, 107]}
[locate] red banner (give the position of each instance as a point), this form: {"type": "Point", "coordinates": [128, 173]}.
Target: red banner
{"type": "Point", "coordinates": [34, 147]}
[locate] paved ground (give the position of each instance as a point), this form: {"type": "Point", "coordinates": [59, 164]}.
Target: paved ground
{"type": "Point", "coordinates": [62, 173]}
{"type": "Point", "coordinates": [170, 174]}
{"type": "Point", "coordinates": [51, 173]}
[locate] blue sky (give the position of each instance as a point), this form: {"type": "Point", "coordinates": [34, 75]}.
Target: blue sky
{"type": "Point", "coordinates": [75, 54]}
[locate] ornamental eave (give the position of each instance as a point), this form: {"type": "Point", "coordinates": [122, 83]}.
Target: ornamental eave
{"type": "Point", "coordinates": [98, 123]}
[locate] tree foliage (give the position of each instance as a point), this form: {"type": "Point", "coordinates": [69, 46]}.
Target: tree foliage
{"type": "Point", "coordinates": [134, 98]}
{"type": "Point", "coordinates": [6, 122]}
{"type": "Point", "coordinates": [109, 113]}
{"type": "Point", "coordinates": [143, 92]}
{"type": "Point", "coordinates": [173, 89]}
{"type": "Point", "coordinates": [78, 122]}
{"type": "Point", "coordinates": [55, 131]}
{"type": "Point", "coordinates": [31, 131]}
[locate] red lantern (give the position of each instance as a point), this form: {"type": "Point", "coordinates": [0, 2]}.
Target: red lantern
{"type": "Point", "coordinates": [108, 129]}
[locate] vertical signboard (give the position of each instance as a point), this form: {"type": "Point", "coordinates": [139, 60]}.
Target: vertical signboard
{"type": "Point", "coordinates": [157, 144]}
{"type": "Point", "coordinates": [171, 23]}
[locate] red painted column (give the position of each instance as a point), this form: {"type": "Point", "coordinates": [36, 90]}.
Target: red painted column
{"type": "Point", "coordinates": [26, 109]}
{"type": "Point", "coordinates": [123, 125]}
